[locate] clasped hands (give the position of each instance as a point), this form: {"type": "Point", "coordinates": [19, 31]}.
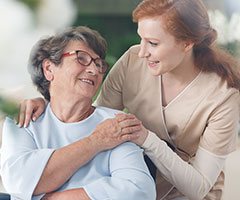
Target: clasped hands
{"type": "Point", "coordinates": [112, 132]}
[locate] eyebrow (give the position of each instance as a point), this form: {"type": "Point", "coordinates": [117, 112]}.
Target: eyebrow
{"type": "Point", "coordinates": [148, 38]}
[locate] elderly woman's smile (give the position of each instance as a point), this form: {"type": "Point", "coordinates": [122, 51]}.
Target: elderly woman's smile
{"type": "Point", "coordinates": [88, 81]}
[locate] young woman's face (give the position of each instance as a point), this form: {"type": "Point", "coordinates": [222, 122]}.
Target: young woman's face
{"type": "Point", "coordinates": [161, 50]}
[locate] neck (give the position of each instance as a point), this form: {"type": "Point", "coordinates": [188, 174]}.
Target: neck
{"type": "Point", "coordinates": [70, 111]}
{"type": "Point", "coordinates": [174, 82]}
{"type": "Point", "coordinates": [183, 74]}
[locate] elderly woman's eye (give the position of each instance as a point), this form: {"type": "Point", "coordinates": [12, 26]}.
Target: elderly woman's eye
{"type": "Point", "coordinates": [98, 65]}
{"type": "Point", "coordinates": [82, 59]}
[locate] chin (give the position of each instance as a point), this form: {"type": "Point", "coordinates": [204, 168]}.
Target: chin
{"type": "Point", "coordinates": [88, 94]}
{"type": "Point", "coordinates": [155, 72]}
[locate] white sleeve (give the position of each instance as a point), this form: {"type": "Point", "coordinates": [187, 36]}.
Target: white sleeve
{"type": "Point", "coordinates": [193, 180]}
{"type": "Point", "coordinates": [22, 163]}
{"type": "Point", "coordinates": [129, 177]}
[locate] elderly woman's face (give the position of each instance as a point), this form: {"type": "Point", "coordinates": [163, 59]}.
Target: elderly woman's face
{"type": "Point", "coordinates": [73, 79]}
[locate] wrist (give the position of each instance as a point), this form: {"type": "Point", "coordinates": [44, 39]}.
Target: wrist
{"type": "Point", "coordinates": [144, 137]}
{"type": "Point", "coordinates": [94, 143]}
{"type": "Point", "coordinates": [80, 193]}
{"type": "Point", "coordinates": [149, 140]}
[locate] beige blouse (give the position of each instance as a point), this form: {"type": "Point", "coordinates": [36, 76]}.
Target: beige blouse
{"type": "Point", "coordinates": [205, 114]}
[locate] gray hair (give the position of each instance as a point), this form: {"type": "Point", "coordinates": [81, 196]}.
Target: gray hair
{"type": "Point", "coordinates": [53, 47]}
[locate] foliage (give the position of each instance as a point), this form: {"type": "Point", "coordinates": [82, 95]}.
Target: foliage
{"type": "Point", "coordinates": [8, 107]}
{"type": "Point", "coordinates": [32, 4]}
{"type": "Point", "coordinates": [119, 31]}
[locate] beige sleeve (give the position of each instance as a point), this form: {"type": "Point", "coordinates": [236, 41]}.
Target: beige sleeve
{"type": "Point", "coordinates": [193, 180]}
{"type": "Point", "coordinates": [111, 92]}
{"type": "Point", "coordinates": [220, 135]}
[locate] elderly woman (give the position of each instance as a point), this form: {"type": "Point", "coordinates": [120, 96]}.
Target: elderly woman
{"type": "Point", "coordinates": [65, 154]}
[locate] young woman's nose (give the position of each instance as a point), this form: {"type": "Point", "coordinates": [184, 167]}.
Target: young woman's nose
{"type": "Point", "coordinates": [143, 53]}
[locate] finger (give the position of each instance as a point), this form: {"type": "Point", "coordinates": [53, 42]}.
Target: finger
{"type": "Point", "coordinates": [122, 116]}
{"type": "Point", "coordinates": [129, 137]}
{"type": "Point", "coordinates": [131, 129]}
{"type": "Point", "coordinates": [37, 113]}
{"type": "Point", "coordinates": [129, 122]}
{"type": "Point", "coordinates": [28, 115]}
{"type": "Point", "coordinates": [21, 115]}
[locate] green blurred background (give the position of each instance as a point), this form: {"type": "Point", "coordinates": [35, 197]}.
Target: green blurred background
{"type": "Point", "coordinates": [112, 18]}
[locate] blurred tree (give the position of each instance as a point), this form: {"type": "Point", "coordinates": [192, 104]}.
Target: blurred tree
{"type": "Point", "coordinates": [8, 107]}
{"type": "Point", "coordinates": [119, 31]}
{"type": "Point", "coordinates": [33, 4]}
{"type": "Point", "coordinates": [106, 7]}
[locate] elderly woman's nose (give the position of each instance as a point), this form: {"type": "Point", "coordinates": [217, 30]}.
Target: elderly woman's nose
{"type": "Point", "coordinates": [92, 69]}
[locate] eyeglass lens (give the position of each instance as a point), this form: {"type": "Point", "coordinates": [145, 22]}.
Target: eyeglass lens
{"type": "Point", "coordinates": [85, 59]}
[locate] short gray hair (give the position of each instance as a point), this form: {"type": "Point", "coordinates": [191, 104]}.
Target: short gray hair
{"type": "Point", "coordinates": [53, 47]}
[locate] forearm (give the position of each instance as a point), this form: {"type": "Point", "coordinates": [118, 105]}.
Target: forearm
{"type": "Point", "coordinates": [129, 177]}
{"type": "Point", "coordinates": [193, 180]}
{"type": "Point", "coordinates": [63, 163]}
{"type": "Point", "coordinates": [73, 194]}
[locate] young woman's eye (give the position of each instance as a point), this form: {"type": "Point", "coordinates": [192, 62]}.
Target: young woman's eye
{"type": "Point", "coordinates": [154, 44]}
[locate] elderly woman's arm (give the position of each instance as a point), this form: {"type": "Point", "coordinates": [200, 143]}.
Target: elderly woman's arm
{"type": "Point", "coordinates": [21, 156]}
{"type": "Point", "coordinates": [129, 177]}
{"type": "Point", "coordinates": [73, 194]}
{"type": "Point", "coordinates": [106, 136]}
{"type": "Point", "coordinates": [63, 163]}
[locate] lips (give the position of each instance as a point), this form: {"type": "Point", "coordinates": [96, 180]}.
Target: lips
{"type": "Point", "coordinates": [152, 63]}
{"type": "Point", "coordinates": [88, 81]}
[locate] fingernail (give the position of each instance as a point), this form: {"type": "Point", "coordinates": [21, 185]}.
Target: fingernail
{"type": "Point", "coordinates": [34, 119]}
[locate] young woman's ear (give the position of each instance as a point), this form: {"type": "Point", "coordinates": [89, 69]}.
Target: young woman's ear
{"type": "Point", "coordinates": [188, 45]}
{"type": "Point", "coordinates": [47, 66]}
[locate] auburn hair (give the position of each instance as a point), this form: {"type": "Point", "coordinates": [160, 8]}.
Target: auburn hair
{"type": "Point", "coordinates": [188, 20]}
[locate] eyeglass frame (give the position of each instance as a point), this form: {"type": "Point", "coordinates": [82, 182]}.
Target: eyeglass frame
{"type": "Point", "coordinates": [104, 63]}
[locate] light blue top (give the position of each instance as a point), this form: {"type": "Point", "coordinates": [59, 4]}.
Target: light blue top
{"type": "Point", "coordinates": [120, 173]}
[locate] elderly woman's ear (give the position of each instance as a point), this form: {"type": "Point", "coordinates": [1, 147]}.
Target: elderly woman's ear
{"type": "Point", "coordinates": [48, 70]}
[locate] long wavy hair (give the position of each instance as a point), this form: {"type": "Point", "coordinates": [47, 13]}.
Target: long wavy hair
{"type": "Point", "coordinates": [188, 20]}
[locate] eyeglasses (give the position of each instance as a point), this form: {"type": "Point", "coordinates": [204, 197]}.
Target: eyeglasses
{"type": "Point", "coordinates": [85, 59]}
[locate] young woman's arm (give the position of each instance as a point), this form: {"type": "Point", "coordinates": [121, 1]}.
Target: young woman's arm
{"type": "Point", "coordinates": [30, 109]}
